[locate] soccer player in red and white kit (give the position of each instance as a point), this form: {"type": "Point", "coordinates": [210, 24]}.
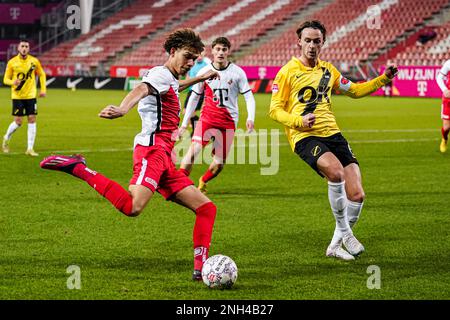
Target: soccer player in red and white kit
{"type": "Point", "coordinates": [443, 81]}
{"type": "Point", "coordinates": [220, 112]}
{"type": "Point", "coordinates": [153, 168]}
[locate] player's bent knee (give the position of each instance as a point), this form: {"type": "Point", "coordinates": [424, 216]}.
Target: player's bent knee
{"type": "Point", "coordinates": [336, 175]}
{"type": "Point", "coordinates": [357, 196]}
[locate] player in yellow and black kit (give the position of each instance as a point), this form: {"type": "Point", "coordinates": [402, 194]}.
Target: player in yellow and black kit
{"type": "Point", "coordinates": [301, 101]}
{"type": "Point", "coordinates": [21, 74]}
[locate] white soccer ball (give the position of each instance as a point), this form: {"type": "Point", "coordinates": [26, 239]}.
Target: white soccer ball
{"type": "Point", "coordinates": [219, 271]}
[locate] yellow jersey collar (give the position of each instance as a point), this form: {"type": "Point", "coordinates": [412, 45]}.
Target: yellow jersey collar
{"type": "Point", "coordinates": [20, 57]}
{"type": "Point", "coordinates": [303, 67]}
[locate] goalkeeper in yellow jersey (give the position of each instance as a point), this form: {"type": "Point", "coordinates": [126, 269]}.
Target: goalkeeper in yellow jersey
{"type": "Point", "coordinates": [21, 74]}
{"type": "Point", "coordinates": [301, 101]}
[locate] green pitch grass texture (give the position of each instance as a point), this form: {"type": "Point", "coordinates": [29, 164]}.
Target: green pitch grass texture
{"type": "Point", "coordinates": [275, 227]}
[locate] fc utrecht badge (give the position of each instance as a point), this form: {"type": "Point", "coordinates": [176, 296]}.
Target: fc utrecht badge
{"type": "Point", "coordinates": [274, 88]}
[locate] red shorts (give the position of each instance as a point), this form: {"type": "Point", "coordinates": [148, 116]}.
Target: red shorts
{"type": "Point", "coordinates": [445, 109]}
{"type": "Point", "coordinates": [223, 138]}
{"type": "Point", "coordinates": [153, 168]}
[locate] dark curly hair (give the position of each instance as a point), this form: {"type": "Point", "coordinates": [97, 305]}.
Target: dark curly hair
{"type": "Point", "coordinates": [315, 24]}
{"type": "Point", "coordinates": [184, 38]}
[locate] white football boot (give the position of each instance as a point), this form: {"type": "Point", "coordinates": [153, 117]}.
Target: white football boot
{"type": "Point", "coordinates": [354, 247]}
{"type": "Point", "coordinates": [336, 251]}
{"type": "Point", "coordinates": [5, 145]}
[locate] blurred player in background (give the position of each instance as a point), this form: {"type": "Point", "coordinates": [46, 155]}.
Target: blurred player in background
{"type": "Point", "coordinates": [444, 82]}
{"type": "Point", "coordinates": [201, 62]}
{"type": "Point", "coordinates": [21, 74]}
{"type": "Point", "coordinates": [220, 112]}
{"type": "Point", "coordinates": [153, 169]}
{"type": "Point", "coordinates": [301, 100]}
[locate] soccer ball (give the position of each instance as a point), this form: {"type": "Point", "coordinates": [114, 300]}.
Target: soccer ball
{"type": "Point", "coordinates": [219, 271]}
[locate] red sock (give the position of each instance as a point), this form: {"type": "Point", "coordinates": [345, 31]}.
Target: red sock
{"type": "Point", "coordinates": [111, 190]}
{"type": "Point", "coordinates": [200, 256]}
{"type": "Point", "coordinates": [444, 133]}
{"type": "Point", "coordinates": [203, 228]}
{"type": "Point", "coordinates": [208, 176]}
{"type": "Point", "coordinates": [184, 171]}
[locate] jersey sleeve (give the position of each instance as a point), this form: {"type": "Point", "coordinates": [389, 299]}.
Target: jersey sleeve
{"type": "Point", "coordinates": [442, 76]}
{"type": "Point", "coordinates": [357, 90]}
{"type": "Point", "coordinates": [280, 100]}
{"type": "Point", "coordinates": [157, 79]}
{"type": "Point", "coordinates": [445, 68]}
{"type": "Point", "coordinates": [244, 86]}
{"type": "Point", "coordinates": [199, 87]}
{"type": "Point", "coordinates": [7, 79]}
{"type": "Point", "coordinates": [42, 77]}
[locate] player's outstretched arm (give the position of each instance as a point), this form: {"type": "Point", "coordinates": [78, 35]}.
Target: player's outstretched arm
{"type": "Point", "coordinates": [193, 101]}
{"type": "Point", "coordinates": [132, 98]}
{"type": "Point", "coordinates": [210, 74]}
{"type": "Point", "coordinates": [359, 90]}
{"type": "Point", "coordinates": [251, 106]}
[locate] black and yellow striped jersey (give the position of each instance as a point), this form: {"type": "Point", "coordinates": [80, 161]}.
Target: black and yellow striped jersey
{"type": "Point", "coordinates": [26, 71]}
{"type": "Point", "coordinates": [298, 90]}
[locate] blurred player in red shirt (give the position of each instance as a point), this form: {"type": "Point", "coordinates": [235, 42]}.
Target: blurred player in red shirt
{"type": "Point", "coordinates": [220, 112]}
{"type": "Point", "coordinates": [443, 81]}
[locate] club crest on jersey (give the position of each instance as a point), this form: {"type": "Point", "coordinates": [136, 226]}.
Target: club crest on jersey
{"type": "Point", "coordinates": [344, 81]}
{"type": "Point", "coordinates": [230, 81]}
{"type": "Point", "coordinates": [274, 88]}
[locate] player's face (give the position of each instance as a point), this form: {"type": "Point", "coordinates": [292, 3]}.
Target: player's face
{"type": "Point", "coordinates": [220, 53]}
{"type": "Point", "coordinates": [311, 43]}
{"type": "Point", "coordinates": [184, 59]}
{"type": "Point", "coordinates": [23, 48]}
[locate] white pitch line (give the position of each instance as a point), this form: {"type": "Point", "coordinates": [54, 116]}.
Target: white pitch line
{"type": "Point", "coordinates": [249, 145]}
{"type": "Point", "coordinates": [281, 132]}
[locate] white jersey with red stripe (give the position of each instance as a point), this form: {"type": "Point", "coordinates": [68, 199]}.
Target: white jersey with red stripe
{"type": "Point", "coordinates": [445, 70]}
{"type": "Point", "coordinates": [160, 110]}
{"type": "Point", "coordinates": [220, 107]}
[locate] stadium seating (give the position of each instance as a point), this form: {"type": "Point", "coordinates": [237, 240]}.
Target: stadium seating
{"type": "Point", "coordinates": [353, 31]}
{"type": "Point", "coordinates": [120, 31]}
{"type": "Point", "coordinates": [238, 20]}
{"type": "Point", "coordinates": [351, 46]}
{"type": "Point", "coordinates": [431, 53]}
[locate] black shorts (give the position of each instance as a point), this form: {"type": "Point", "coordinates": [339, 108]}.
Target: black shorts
{"type": "Point", "coordinates": [311, 148]}
{"type": "Point", "coordinates": [25, 107]}
{"type": "Point", "coordinates": [200, 102]}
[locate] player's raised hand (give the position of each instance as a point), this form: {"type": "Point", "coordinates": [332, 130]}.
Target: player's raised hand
{"type": "Point", "coordinates": [210, 75]}
{"type": "Point", "coordinates": [250, 126]}
{"type": "Point", "coordinates": [111, 112]}
{"type": "Point", "coordinates": [391, 71]}
{"type": "Point", "coordinates": [308, 120]}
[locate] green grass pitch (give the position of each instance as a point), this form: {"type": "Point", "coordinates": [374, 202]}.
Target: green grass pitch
{"type": "Point", "coordinates": [275, 227]}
